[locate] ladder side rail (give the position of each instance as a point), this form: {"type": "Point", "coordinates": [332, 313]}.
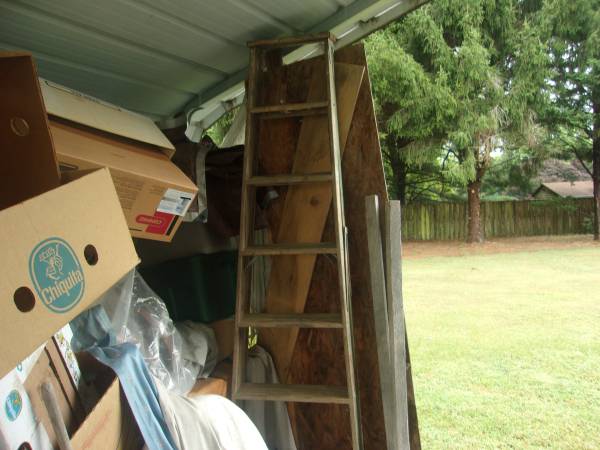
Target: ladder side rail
{"type": "Point", "coordinates": [241, 340]}
{"type": "Point", "coordinates": [340, 236]}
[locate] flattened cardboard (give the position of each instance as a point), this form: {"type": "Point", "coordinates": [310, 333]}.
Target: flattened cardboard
{"type": "Point", "coordinates": [17, 416]}
{"type": "Point", "coordinates": [75, 106]}
{"type": "Point", "coordinates": [43, 241]}
{"type": "Point", "coordinates": [143, 178]}
{"type": "Point", "coordinates": [50, 367]}
{"type": "Point", "coordinates": [28, 165]}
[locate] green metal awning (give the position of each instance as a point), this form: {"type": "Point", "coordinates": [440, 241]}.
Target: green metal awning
{"type": "Point", "coordinates": [163, 58]}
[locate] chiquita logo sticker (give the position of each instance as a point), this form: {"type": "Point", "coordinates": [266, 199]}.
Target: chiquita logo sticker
{"type": "Point", "coordinates": [56, 274]}
{"type": "Point", "coordinates": [13, 405]}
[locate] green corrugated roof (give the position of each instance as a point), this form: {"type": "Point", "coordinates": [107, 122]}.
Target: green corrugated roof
{"type": "Point", "coordinates": [161, 57]}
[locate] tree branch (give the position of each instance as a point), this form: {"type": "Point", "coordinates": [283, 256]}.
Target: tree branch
{"type": "Point", "coordinates": [578, 156]}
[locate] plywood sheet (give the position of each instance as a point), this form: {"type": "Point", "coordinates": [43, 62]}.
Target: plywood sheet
{"type": "Point", "coordinates": [305, 210]}
{"type": "Point", "coordinates": [318, 355]}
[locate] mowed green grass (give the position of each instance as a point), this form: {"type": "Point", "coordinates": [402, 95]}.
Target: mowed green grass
{"type": "Point", "coordinates": [505, 349]}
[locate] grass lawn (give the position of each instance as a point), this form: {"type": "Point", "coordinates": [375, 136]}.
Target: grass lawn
{"type": "Point", "coordinates": [506, 349]}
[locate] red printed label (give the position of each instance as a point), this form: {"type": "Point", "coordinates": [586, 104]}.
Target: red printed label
{"type": "Point", "coordinates": [159, 223]}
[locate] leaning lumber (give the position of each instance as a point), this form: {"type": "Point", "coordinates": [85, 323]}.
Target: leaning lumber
{"type": "Point", "coordinates": [406, 413]}
{"type": "Point", "coordinates": [392, 247]}
{"type": "Point", "coordinates": [385, 264]}
{"type": "Point", "coordinates": [384, 322]}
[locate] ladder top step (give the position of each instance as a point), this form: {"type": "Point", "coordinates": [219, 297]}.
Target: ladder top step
{"type": "Point", "coordinates": [289, 179]}
{"type": "Point", "coordinates": [290, 107]}
{"type": "Point", "coordinates": [293, 41]}
{"type": "Point", "coordinates": [291, 320]}
{"type": "Point", "coordinates": [320, 248]}
{"type": "Point", "coordinates": [303, 393]}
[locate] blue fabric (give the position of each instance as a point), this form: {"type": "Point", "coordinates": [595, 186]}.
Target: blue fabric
{"type": "Point", "coordinates": [140, 390]}
{"type": "Point", "coordinates": [90, 328]}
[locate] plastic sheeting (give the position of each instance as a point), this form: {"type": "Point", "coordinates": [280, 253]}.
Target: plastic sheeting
{"type": "Point", "coordinates": [139, 316]}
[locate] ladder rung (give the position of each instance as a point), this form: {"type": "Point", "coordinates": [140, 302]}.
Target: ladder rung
{"type": "Point", "coordinates": [285, 180]}
{"type": "Point", "coordinates": [304, 393]}
{"type": "Point", "coordinates": [292, 41]}
{"type": "Point", "coordinates": [321, 248]}
{"type": "Point", "coordinates": [308, 107]}
{"type": "Point", "coordinates": [291, 320]}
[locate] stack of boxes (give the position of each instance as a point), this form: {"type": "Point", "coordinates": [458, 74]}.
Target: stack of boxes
{"type": "Point", "coordinates": [66, 239]}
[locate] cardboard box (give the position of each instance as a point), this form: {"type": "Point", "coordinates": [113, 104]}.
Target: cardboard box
{"type": "Point", "coordinates": [17, 417]}
{"type": "Point", "coordinates": [24, 418]}
{"type": "Point", "coordinates": [225, 335]}
{"type": "Point", "coordinates": [50, 367]}
{"type": "Point", "coordinates": [74, 106]}
{"type": "Point", "coordinates": [88, 134]}
{"type": "Point", "coordinates": [219, 382]}
{"type": "Point", "coordinates": [154, 193]}
{"type": "Point", "coordinates": [28, 165]}
{"type": "Point", "coordinates": [209, 386]}
{"type": "Point", "coordinates": [110, 425]}
{"type": "Point", "coordinates": [64, 249]}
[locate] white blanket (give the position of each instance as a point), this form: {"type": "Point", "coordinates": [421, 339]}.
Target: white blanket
{"type": "Point", "coordinates": [271, 418]}
{"type": "Point", "coordinates": [208, 422]}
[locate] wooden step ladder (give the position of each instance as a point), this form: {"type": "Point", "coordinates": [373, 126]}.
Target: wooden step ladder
{"type": "Point", "coordinates": [338, 249]}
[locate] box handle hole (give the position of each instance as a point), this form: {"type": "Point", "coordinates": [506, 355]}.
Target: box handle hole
{"type": "Point", "coordinates": [19, 126]}
{"type": "Point", "coordinates": [24, 299]}
{"type": "Point", "coordinates": [91, 254]}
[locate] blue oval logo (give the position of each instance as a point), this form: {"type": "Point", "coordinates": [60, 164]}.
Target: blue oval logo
{"type": "Point", "coordinates": [56, 274]}
{"type": "Point", "coordinates": [13, 405]}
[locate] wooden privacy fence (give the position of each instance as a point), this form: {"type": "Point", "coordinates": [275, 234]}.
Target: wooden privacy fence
{"type": "Point", "coordinates": [447, 220]}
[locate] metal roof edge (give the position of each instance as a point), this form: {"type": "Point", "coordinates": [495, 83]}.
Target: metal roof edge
{"type": "Point", "coordinates": [348, 25]}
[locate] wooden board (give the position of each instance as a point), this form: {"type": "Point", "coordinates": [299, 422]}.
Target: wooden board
{"type": "Point", "coordinates": [305, 211]}
{"type": "Point", "coordinates": [413, 419]}
{"type": "Point", "coordinates": [397, 328]}
{"type": "Point", "coordinates": [383, 322]}
{"type": "Point", "coordinates": [408, 419]}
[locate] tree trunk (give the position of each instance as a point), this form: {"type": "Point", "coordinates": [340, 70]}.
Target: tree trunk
{"type": "Point", "coordinates": [596, 166]}
{"type": "Point", "coordinates": [400, 172]}
{"type": "Point", "coordinates": [399, 168]}
{"type": "Point", "coordinates": [474, 234]}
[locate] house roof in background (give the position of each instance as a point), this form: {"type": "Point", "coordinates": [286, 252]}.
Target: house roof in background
{"type": "Point", "coordinates": [554, 169]}
{"type": "Point", "coordinates": [575, 189]}
{"type": "Point", "coordinates": [164, 57]}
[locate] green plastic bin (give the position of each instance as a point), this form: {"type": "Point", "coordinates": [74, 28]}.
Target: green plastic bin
{"type": "Point", "coordinates": [200, 288]}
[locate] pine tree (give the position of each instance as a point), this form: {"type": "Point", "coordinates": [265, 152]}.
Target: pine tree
{"type": "Point", "coordinates": [457, 80]}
